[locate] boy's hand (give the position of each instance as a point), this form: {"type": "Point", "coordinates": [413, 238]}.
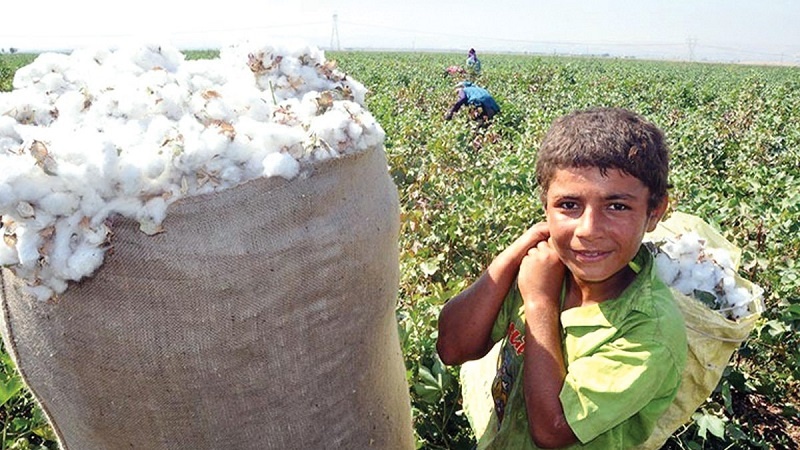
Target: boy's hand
{"type": "Point", "coordinates": [541, 274]}
{"type": "Point", "coordinates": [527, 241]}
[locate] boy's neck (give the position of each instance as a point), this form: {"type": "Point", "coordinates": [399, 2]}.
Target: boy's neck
{"type": "Point", "coordinates": [582, 293]}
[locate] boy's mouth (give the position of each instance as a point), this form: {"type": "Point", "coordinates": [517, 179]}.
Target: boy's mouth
{"type": "Point", "coordinates": [589, 256]}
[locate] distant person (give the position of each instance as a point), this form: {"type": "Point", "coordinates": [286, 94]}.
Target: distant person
{"type": "Point", "coordinates": [473, 63]}
{"type": "Point", "coordinates": [454, 71]}
{"type": "Point", "coordinates": [473, 95]}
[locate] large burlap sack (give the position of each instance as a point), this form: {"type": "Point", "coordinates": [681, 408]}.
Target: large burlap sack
{"type": "Point", "coordinates": [262, 318]}
{"type": "Point", "coordinates": [711, 337]}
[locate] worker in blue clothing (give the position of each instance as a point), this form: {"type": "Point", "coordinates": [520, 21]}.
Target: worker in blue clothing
{"type": "Point", "coordinates": [473, 95]}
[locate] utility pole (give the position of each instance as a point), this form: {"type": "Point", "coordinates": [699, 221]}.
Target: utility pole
{"type": "Point", "coordinates": [335, 32]}
{"type": "Point", "coordinates": [692, 43]}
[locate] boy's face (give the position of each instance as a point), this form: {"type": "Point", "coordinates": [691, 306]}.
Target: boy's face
{"type": "Point", "coordinates": [597, 222]}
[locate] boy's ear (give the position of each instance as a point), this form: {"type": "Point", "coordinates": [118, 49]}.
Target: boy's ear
{"type": "Point", "coordinates": [657, 213]}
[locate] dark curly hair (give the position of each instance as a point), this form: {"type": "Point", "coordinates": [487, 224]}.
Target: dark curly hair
{"type": "Point", "coordinates": [606, 138]}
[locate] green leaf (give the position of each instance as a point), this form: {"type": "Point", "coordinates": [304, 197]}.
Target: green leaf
{"type": "Point", "coordinates": [709, 423]}
{"type": "Point", "coordinates": [10, 388]}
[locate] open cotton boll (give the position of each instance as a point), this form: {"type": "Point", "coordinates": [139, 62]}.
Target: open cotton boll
{"type": "Point", "coordinates": [7, 197]}
{"type": "Point", "coordinates": [282, 165]}
{"type": "Point", "coordinates": [85, 259]}
{"type": "Point", "coordinates": [8, 255]}
{"type": "Point", "coordinates": [151, 216]}
{"type": "Point", "coordinates": [59, 203]}
{"type": "Point", "coordinates": [39, 292]}
{"type": "Point", "coordinates": [140, 58]}
{"type": "Point", "coordinates": [29, 107]}
{"type": "Point", "coordinates": [28, 243]}
{"type": "Point", "coordinates": [44, 64]}
{"type": "Point", "coordinates": [666, 269]}
{"type": "Point", "coordinates": [70, 104]}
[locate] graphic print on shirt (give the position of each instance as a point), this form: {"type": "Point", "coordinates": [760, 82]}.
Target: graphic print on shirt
{"type": "Point", "coordinates": [509, 367]}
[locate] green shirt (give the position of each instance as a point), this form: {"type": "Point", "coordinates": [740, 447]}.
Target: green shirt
{"type": "Point", "coordinates": [624, 358]}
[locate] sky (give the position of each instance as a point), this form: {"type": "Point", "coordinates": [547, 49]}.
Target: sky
{"type": "Point", "coordinates": [694, 30]}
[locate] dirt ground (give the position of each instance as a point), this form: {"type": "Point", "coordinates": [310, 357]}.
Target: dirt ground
{"type": "Point", "coordinates": [768, 421]}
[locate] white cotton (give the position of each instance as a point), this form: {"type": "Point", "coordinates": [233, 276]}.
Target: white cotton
{"type": "Point", "coordinates": [154, 211]}
{"type": "Point", "coordinates": [8, 255]}
{"type": "Point", "coordinates": [28, 243]}
{"type": "Point", "coordinates": [59, 203]}
{"type": "Point", "coordinates": [282, 165]}
{"type": "Point", "coordinates": [703, 275]}
{"type": "Point", "coordinates": [84, 260]}
{"type": "Point", "coordinates": [7, 197]}
{"type": "Point", "coordinates": [40, 292]}
{"type": "Point", "coordinates": [666, 269]}
{"type": "Point", "coordinates": [684, 286]}
{"type": "Point", "coordinates": [57, 285]}
{"type": "Point", "coordinates": [102, 132]}
{"type": "Point", "coordinates": [739, 312]}
{"type": "Point", "coordinates": [698, 268]}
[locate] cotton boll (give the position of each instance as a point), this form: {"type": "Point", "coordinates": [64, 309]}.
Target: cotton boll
{"type": "Point", "coordinates": [130, 180]}
{"type": "Point", "coordinates": [154, 211]}
{"type": "Point", "coordinates": [722, 257]}
{"type": "Point", "coordinates": [45, 63]}
{"type": "Point", "coordinates": [127, 207]}
{"type": "Point", "coordinates": [147, 57]}
{"type": "Point", "coordinates": [8, 255]}
{"type": "Point", "coordinates": [684, 286]}
{"type": "Point", "coordinates": [91, 203]}
{"type": "Point", "coordinates": [358, 90]}
{"type": "Point", "coordinates": [62, 244]}
{"type": "Point", "coordinates": [40, 292]}
{"type": "Point", "coordinates": [739, 312]}
{"type": "Point", "coordinates": [28, 243]}
{"type": "Point", "coordinates": [702, 275]}
{"type": "Point", "coordinates": [131, 102]}
{"type": "Point", "coordinates": [84, 261]}
{"type": "Point", "coordinates": [7, 197]}
{"type": "Point", "coordinates": [70, 105]}
{"type": "Point", "coordinates": [282, 165]}
{"type": "Point", "coordinates": [53, 83]}
{"type": "Point", "coordinates": [57, 285]}
{"type": "Point", "coordinates": [323, 153]}
{"type": "Point", "coordinates": [26, 191]}
{"type": "Point", "coordinates": [216, 108]}
{"type": "Point", "coordinates": [59, 203]}
{"type": "Point", "coordinates": [666, 268]}
{"type": "Point", "coordinates": [171, 102]}
{"type": "Point", "coordinates": [728, 281]}
{"type": "Point", "coordinates": [7, 127]}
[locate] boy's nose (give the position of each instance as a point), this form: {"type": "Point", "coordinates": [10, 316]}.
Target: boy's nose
{"type": "Point", "coordinates": [589, 223]}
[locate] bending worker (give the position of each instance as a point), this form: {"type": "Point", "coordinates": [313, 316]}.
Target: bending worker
{"type": "Point", "coordinates": [469, 93]}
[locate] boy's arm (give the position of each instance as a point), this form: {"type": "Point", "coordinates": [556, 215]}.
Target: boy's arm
{"type": "Point", "coordinates": [466, 321]}
{"type": "Point", "coordinates": [544, 370]}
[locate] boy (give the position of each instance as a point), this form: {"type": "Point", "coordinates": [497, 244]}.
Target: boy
{"type": "Point", "coordinates": [594, 345]}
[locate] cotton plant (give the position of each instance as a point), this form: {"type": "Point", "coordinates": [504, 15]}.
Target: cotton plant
{"type": "Point", "coordinates": [688, 265]}
{"type": "Point", "coordinates": [99, 132]}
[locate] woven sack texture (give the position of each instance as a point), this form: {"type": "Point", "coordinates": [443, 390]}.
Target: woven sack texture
{"type": "Point", "coordinates": [263, 317]}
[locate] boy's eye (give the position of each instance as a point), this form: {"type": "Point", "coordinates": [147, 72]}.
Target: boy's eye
{"type": "Point", "coordinates": [568, 205]}
{"type": "Point", "coordinates": [618, 207]}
